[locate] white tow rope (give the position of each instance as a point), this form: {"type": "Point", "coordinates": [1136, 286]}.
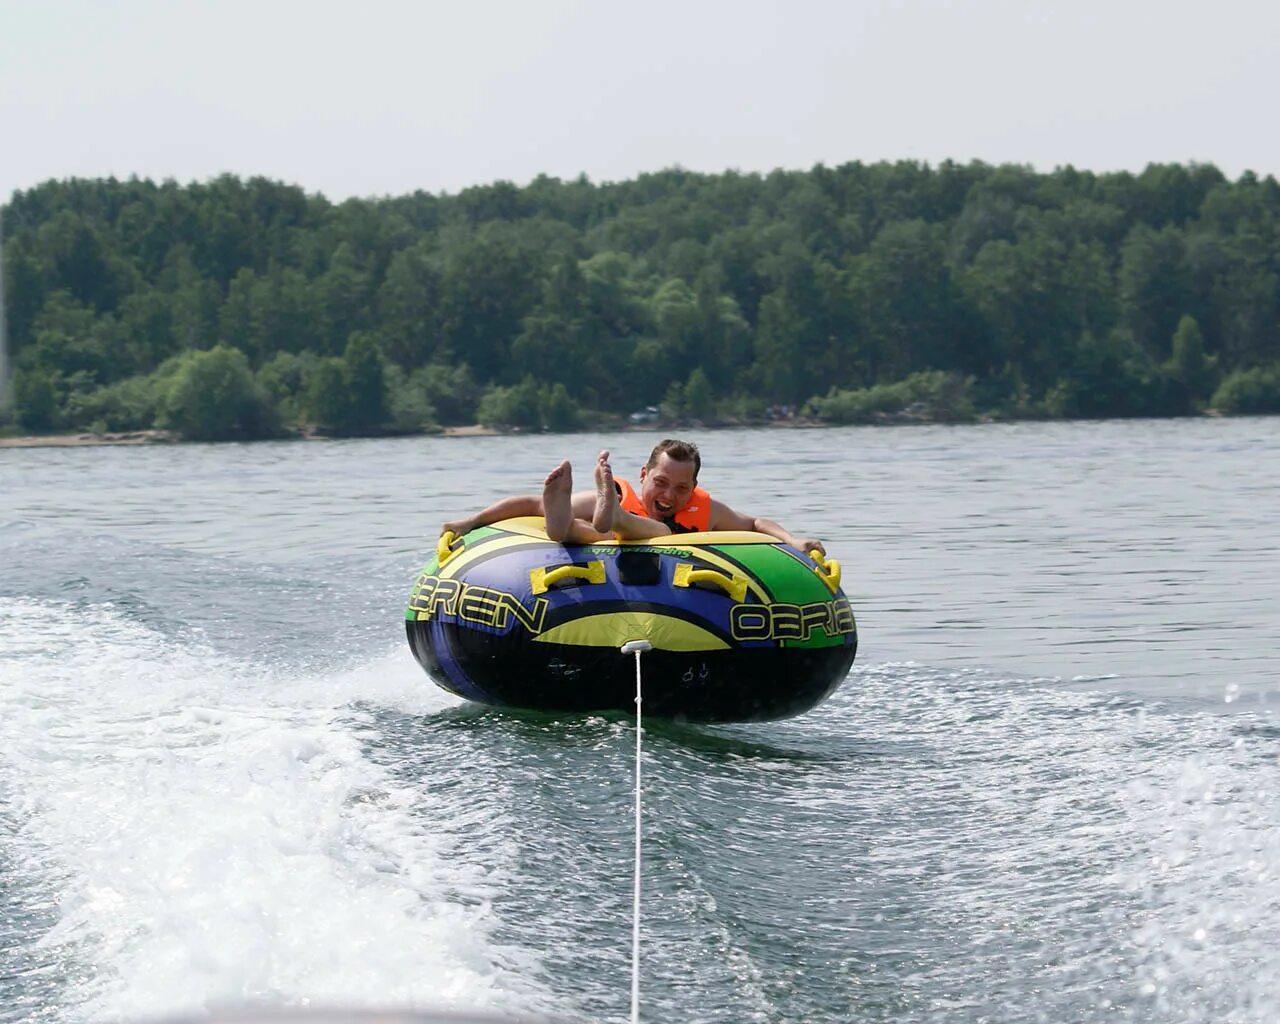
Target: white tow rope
{"type": "Point", "coordinates": [636, 647]}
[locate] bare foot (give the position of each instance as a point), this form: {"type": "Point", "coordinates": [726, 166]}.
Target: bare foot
{"type": "Point", "coordinates": [557, 508]}
{"type": "Point", "coordinates": [606, 496]}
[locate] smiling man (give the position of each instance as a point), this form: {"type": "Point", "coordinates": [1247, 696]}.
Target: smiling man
{"type": "Point", "coordinates": [668, 500]}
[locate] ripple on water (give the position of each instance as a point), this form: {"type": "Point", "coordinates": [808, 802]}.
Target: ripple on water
{"type": "Point", "coordinates": [1047, 792]}
{"type": "Point", "coordinates": [927, 846]}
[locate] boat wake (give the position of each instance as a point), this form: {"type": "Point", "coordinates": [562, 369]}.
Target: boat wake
{"type": "Point", "coordinates": [189, 833]}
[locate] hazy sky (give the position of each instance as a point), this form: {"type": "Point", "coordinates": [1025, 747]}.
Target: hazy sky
{"type": "Point", "coordinates": [387, 96]}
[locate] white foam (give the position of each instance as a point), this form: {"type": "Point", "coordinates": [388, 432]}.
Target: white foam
{"type": "Point", "coordinates": [223, 837]}
{"type": "Point", "coordinates": [1134, 849]}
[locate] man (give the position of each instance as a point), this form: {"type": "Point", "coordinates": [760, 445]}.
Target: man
{"type": "Point", "coordinates": [667, 501]}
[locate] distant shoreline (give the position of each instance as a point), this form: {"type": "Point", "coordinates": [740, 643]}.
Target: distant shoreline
{"type": "Point", "coordinates": [85, 440]}
{"type": "Point", "coordinates": [149, 437]}
{"type": "Point", "coordinates": [141, 437]}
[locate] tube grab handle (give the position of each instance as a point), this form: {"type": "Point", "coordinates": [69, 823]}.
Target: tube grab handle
{"type": "Point", "coordinates": [686, 575]}
{"type": "Point", "coordinates": [448, 545]}
{"type": "Point", "coordinates": [828, 570]}
{"type": "Point", "coordinates": [541, 579]}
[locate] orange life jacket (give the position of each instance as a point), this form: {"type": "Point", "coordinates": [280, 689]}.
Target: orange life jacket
{"type": "Point", "coordinates": [695, 517]}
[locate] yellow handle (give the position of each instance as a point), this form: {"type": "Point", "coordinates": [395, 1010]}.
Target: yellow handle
{"type": "Point", "coordinates": [541, 579]}
{"type": "Point", "coordinates": [447, 546]}
{"type": "Point", "coordinates": [734, 586]}
{"type": "Point", "coordinates": [828, 570]}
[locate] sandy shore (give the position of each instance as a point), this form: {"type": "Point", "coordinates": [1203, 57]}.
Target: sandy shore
{"type": "Point", "coordinates": [79, 440]}
{"type": "Point", "coordinates": [165, 437]}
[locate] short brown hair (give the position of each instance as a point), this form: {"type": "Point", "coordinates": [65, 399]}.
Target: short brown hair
{"type": "Point", "coordinates": [681, 451]}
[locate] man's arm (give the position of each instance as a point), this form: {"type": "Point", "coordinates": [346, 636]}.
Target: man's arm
{"type": "Point", "coordinates": [725, 518]}
{"type": "Point", "coordinates": [503, 508]}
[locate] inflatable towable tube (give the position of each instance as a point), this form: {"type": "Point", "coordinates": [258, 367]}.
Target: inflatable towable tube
{"type": "Point", "coordinates": [743, 626]}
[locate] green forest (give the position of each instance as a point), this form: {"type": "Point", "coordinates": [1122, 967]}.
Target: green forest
{"type": "Point", "coordinates": [860, 293]}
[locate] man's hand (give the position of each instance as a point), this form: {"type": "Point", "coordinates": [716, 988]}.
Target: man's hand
{"type": "Point", "coordinates": [807, 544]}
{"type": "Point", "coordinates": [458, 527]}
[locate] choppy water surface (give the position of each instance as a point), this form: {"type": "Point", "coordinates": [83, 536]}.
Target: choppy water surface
{"type": "Point", "coordinates": [1048, 790]}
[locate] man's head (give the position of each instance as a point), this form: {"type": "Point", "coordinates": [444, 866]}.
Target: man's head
{"type": "Point", "coordinates": [667, 480]}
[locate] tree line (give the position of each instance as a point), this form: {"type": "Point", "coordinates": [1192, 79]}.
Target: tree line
{"type": "Point", "coordinates": [244, 308]}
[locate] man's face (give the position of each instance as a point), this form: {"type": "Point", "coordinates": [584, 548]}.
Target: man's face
{"type": "Point", "coordinates": [666, 488]}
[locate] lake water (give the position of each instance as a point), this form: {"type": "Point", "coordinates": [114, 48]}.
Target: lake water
{"type": "Point", "coordinates": [1048, 791]}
